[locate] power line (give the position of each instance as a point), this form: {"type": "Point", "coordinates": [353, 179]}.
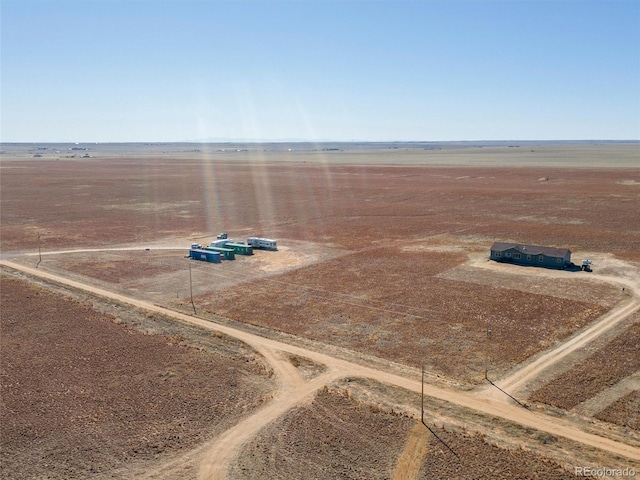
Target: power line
{"type": "Point", "coordinates": [428, 427]}
{"type": "Point", "coordinates": [191, 290]}
{"type": "Point", "coordinates": [486, 373]}
{"type": "Point", "coordinates": [334, 295]}
{"type": "Point", "coordinates": [39, 251]}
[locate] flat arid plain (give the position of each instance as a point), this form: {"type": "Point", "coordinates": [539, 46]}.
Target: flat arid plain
{"type": "Point", "coordinates": [359, 349]}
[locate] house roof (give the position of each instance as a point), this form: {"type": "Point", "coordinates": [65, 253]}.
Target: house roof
{"type": "Point", "coordinates": [530, 249]}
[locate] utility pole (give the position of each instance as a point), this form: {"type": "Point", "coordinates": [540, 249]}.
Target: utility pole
{"type": "Point", "coordinates": [486, 358]}
{"type": "Point", "coordinates": [39, 251]}
{"type": "Point", "coordinates": [191, 290]}
{"type": "Point", "coordinates": [486, 373]}
{"type": "Point", "coordinates": [428, 427]}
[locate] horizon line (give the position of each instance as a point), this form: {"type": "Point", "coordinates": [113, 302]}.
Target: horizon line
{"type": "Point", "coordinates": [260, 141]}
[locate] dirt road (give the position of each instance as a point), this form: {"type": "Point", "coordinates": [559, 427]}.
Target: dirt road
{"type": "Point", "coordinates": [290, 394]}
{"type": "Point", "coordinates": [293, 389]}
{"type": "Point", "coordinates": [519, 379]}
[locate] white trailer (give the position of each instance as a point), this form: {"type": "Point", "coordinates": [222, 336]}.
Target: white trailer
{"type": "Point", "coordinates": [220, 243]}
{"type": "Point", "coordinates": [263, 243]}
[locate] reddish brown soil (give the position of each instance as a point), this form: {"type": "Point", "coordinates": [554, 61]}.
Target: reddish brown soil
{"type": "Point", "coordinates": [482, 460]}
{"type": "Point", "coordinates": [127, 266]}
{"type": "Point", "coordinates": [82, 395]}
{"type": "Point", "coordinates": [332, 437]}
{"type": "Point", "coordinates": [624, 412]}
{"type": "Point", "coordinates": [80, 203]}
{"type": "Point", "coordinates": [337, 437]}
{"type": "Point", "coordinates": [107, 396]}
{"type": "Point", "coordinates": [392, 304]}
{"type": "Point", "coordinates": [604, 368]}
{"type": "Point", "coordinates": [75, 203]}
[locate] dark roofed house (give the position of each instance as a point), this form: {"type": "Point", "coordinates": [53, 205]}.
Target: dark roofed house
{"type": "Point", "coordinates": [531, 255]}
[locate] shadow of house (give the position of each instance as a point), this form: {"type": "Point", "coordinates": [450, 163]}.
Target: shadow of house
{"type": "Point", "coordinates": [533, 255]}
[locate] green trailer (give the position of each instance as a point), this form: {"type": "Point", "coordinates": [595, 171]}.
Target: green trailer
{"type": "Point", "coordinates": [227, 253]}
{"type": "Point", "coordinates": [241, 248]}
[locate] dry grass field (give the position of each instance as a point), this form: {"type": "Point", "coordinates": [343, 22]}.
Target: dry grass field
{"type": "Point", "coordinates": [335, 436]}
{"type": "Point", "coordinates": [104, 201]}
{"type": "Point", "coordinates": [602, 369]}
{"type": "Point", "coordinates": [624, 411]}
{"type": "Point", "coordinates": [382, 255]}
{"type": "Point", "coordinates": [390, 303]}
{"type": "Point", "coordinates": [84, 396]}
{"type": "Point", "coordinates": [389, 289]}
{"type": "Point", "coordinates": [331, 437]}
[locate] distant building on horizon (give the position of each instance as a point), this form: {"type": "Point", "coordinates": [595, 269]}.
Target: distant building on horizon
{"type": "Point", "coordinates": [534, 255]}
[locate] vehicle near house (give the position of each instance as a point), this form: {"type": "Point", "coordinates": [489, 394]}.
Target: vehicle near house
{"type": "Point", "coordinates": [534, 255]}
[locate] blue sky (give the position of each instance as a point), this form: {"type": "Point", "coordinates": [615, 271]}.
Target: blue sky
{"type": "Point", "coordinates": [143, 70]}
